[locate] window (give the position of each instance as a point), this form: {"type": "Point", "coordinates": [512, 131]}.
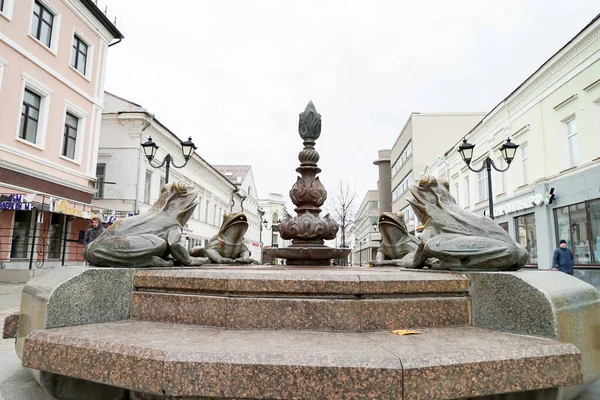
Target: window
{"type": "Point", "coordinates": [162, 182]}
{"type": "Point", "coordinates": [502, 178]}
{"type": "Point", "coordinates": [483, 185]}
{"type": "Point", "coordinates": [198, 212]}
{"type": "Point", "coordinates": [70, 136]}
{"type": "Point", "coordinates": [214, 217]}
{"type": "Point", "coordinates": [408, 213]}
{"type": "Point", "coordinates": [41, 27]}
{"type": "Point", "coordinates": [79, 55]}
{"type": "Point", "coordinates": [6, 7]}
{"type": "Point", "coordinates": [30, 116]}
{"type": "Point", "coordinates": [525, 158]}
{"type": "Point", "coordinates": [20, 238]}
{"type": "Point", "coordinates": [206, 211]}
{"type": "Point", "coordinates": [573, 142]}
{"type": "Point", "coordinates": [579, 225]}
{"type": "Point", "coordinates": [1, 5]}
{"type": "Point", "coordinates": [55, 235]}
{"type": "Point", "coordinates": [274, 218]}
{"type": "Point", "coordinates": [147, 186]}
{"type": "Point", "coordinates": [402, 158]}
{"type": "Point", "coordinates": [373, 205]}
{"type": "Point", "coordinates": [402, 186]}
{"type": "Point", "coordinates": [467, 191]}
{"type": "Point", "coordinates": [456, 193]}
{"type": "Point", "coordinates": [504, 225]}
{"type": "Point", "coordinates": [526, 236]}
{"type": "Point", "coordinates": [100, 178]}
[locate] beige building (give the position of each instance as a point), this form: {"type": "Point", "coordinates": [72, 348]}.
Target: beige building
{"type": "Point", "coordinates": [423, 138]}
{"type": "Point", "coordinates": [52, 65]}
{"type": "Point", "coordinates": [272, 210]}
{"type": "Point", "coordinates": [554, 117]}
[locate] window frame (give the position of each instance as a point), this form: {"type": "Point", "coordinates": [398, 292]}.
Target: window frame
{"type": "Point", "coordinates": [44, 92]}
{"type": "Point", "coordinates": [147, 186]}
{"type": "Point", "coordinates": [27, 118]}
{"type": "Point", "coordinates": [6, 10]}
{"type": "Point", "coordinates": [525, 164]}
{"type": "Point", "coordinates": [100, 182]}
{"type": "Point", "coordinates": [2, 64]}
{"type": "Point", "coordinates": [55, 29]}
{"type": "Point", "coordinates": [90, 55]}
{"type": "Point", "coordinates": [482, 178]}
{"type": "Point", "coordinates": [81, 124]}
{"type": "Point", "coordinates": [572, 162]}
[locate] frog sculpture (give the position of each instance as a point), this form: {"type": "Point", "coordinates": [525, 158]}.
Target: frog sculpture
{"type": "Point", "coordinates": [227, 246]}
{"type": "Point", "coordinates": [457, 239]}
{"type": "Point", "coordinates": [397, 245]}
{"type": "Point", "coordinates": [150, 239]}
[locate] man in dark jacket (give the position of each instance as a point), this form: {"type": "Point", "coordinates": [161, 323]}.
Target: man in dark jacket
{"type": "Point", "coordinates": [93, 232]}
{"type": "Point", "coordinates": [563, 259]}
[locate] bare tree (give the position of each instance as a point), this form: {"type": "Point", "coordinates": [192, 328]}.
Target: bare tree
{"type": "Point", "coordinates": [342, 207]}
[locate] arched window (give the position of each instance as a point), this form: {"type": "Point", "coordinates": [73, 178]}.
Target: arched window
{"type": "Point", "coordinates": [249, 190]}
{"type": "Point", "coordinates": [275, 218]}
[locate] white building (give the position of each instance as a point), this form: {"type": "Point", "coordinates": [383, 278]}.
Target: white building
{"type": "Point", "coordinates": [273, 211]}
{"type": "Point", "coordinates": [247, 201]}
{"type": "Point", "coordinates": [554, 117]}
{"type": "Point", "coordinates": [366, 236]}
{"type": "Point", "coordinates": [129, 185]}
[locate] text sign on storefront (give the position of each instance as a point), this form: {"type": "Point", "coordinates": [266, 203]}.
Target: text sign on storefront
{"type": "Point", "coordinates": [16, 202]}
{"type": "Point", "coordinates": [62, 206]}
{"type": "Point", "coordinates": [519, 205]}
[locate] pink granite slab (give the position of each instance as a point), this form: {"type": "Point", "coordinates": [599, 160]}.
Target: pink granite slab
{"type": "Point", "coordinates": [190, 360]}
{"type": "Point", "coordinates": [467, 362]}
{"type": "Point", "coordinates": [11, 326]}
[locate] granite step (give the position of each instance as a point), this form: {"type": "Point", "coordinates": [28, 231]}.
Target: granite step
{"type": "Point", "coordinates": [349, 300]}
{"type": "Point", "coordinates": [189, 360]}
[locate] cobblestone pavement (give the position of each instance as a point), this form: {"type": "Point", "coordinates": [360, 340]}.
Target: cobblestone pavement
{"type": "Point", "coordinates": [16, 383]}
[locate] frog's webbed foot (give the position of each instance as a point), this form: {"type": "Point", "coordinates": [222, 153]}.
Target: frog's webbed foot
{"type": "Point", "coordinates": [179, 251]}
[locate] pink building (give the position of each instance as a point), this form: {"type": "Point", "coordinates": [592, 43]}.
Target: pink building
{"type": "Point", "coordinates": [52, 66]}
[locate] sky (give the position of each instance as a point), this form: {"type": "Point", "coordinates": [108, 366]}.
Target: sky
{"type": "Point", "coordinates": [234, 75]}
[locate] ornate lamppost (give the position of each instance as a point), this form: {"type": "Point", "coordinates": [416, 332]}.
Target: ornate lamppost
{"type": "Point", "coordinates": [274, 228]}
{"type": "Point", "coordinates": [508, 151]}
{"type": "Point", "coordinates": [187, 149]}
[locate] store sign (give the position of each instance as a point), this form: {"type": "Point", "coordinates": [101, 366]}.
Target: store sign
{"type": "Point", "coordinates": [519, 205]}
{"type": "Point", "coordinates": [17, 202]}
{"type": "Point", "coordinates": [62, 206]}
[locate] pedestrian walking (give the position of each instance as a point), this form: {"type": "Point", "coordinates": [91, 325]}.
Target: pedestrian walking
{"type": "Point", "coordinates": [563, 260]}
{"type": "Point", "coordinates": [93, 232]}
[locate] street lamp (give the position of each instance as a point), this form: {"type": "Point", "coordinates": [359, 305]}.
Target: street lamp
{"type": "Point", "coordinates": [273, 228]}
{"type": "Point", "coordinates": [187, 149]}
{"type": "Point", "coordinates": [508, 151]}
{"type": "Point", "coordinates": [359, 242]}
{"type": "Point", "coordinates": [374, 224]}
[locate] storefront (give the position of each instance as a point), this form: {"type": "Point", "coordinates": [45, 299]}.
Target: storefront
{"type": "Point", "coordinates": [39, 230]}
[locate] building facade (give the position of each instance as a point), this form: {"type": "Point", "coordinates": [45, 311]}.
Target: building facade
{"type": "Point", "coordinates": [423, 138]}
{"type": "Point", "coordinates": [52, 67]}
{"type": "Point", "coordinates": [273, 210]}
{"type": "Point", "coordinates": [366, 236]}
{"type": "Point", "coordinates": [246, 200]}
{"type": "Point", "coordinates": [128, 184]}
{"type": "Point", "coordinates": [554, 117]}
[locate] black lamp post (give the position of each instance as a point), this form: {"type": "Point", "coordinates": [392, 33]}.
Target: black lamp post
{"type": "Point", "coordinates": [508, 151]}
{"type": "Point", "coordinates": [187, 149]}
{"type": "Point", "coordinates": [360, 242]}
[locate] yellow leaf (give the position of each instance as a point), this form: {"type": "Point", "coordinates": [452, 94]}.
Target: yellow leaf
{"type": "Point", "coordinates": [402, 332]}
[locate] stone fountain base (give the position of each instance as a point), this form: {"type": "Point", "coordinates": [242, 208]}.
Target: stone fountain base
{"type": "Point", "coordinates": [317, 255]}
{"type": "Point", "coordinates": [262, 332]}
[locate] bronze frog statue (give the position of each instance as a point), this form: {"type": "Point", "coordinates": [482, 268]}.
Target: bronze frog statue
{"type": "Point", "coordinates": [458, 239]}
{"type": "Point", "coordinates": [397, 245]}
{"type": "Point", "coordinates": [150, 239]}
{"type": "Point", "coordinates": [227, 246]}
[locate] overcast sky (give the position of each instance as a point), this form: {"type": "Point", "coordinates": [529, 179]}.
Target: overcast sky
{"type": "Point", "coordinates": [235, 74]}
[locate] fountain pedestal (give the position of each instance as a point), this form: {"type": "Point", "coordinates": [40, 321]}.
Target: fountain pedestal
{"type": "Point", "coordinates": [307, 230]}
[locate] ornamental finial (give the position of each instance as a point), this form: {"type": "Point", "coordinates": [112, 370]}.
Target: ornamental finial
{"type": "Point", "coordinates": [309, 125]}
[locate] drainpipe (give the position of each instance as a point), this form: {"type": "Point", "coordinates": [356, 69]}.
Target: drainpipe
{"type": "Point", "coordinates": [139, 168]}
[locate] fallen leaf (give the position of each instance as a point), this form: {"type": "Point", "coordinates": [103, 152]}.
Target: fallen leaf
{"type": "Point", "coordinates": [402, 332]}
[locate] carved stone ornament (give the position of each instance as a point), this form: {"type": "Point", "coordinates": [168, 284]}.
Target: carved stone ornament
{"type": "Point", "coordinates": [307, 227]}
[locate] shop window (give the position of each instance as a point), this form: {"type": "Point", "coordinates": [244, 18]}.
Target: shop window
{"type": "Point", "coordinates": [580, 234]}
{"type": "Point", "coordinates": [55, 235]}
{"type": "Point", "coordinates": [594, 209]}
{"type": "Point", "coordinates": [526, 236]}
{"type": "Point", "coordinates": [21, 234]}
